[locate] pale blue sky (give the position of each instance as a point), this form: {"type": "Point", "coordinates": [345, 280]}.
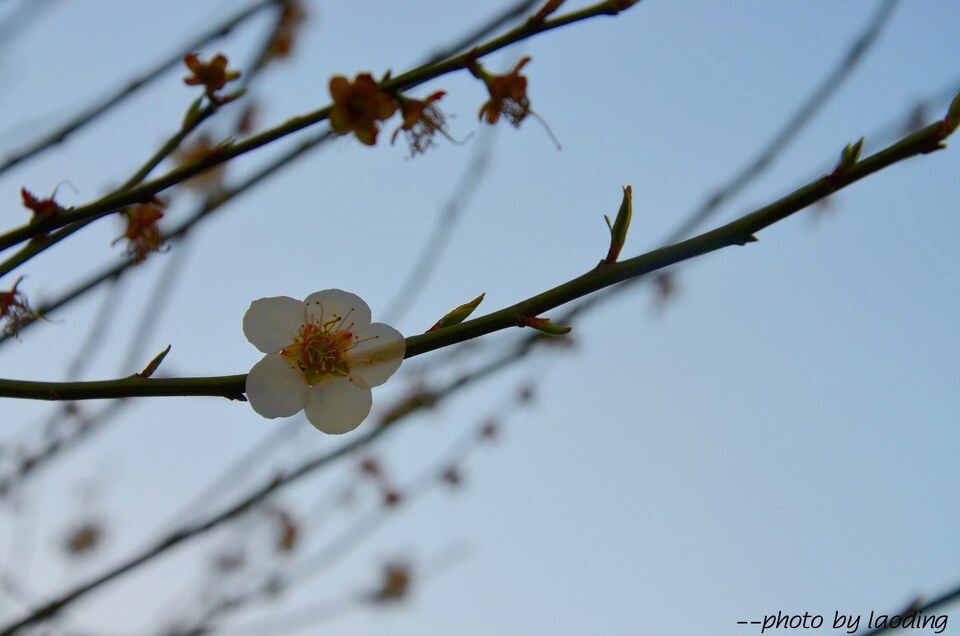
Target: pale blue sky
{"type": "Point", "coordinates": [781, 436]}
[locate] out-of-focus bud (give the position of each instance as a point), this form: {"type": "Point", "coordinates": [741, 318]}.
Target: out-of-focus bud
{"type": "Point", "coordinates": [84, 539]}
{"type": "Point", "coordinates": [371, 467]}
{"type": "Point", "coordinates": [288, 532]}
{"type": "Point", "coordinates": [395, 583]}
{"type": "Point", "coordinates": [230, 561]}
{"type": "Point", "coordinates": [459, 314]}
{"type": "Point", "coordinates": [392, 498]}
{"type": "Point", "coordinates": [526, 393]}
{"type": "Point", "coordinates": [490, 431]}
{"type": "Point", "coordinates": [452, 476]}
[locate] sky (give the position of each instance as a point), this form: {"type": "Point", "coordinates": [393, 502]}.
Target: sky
{"type": "Point", "coordinates": [779, 436]}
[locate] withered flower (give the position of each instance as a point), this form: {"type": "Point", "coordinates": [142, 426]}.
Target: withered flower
{"type": "Point", "coordinates": [288, 26]}
{"type": "Point", "coordinates": [41, 208]}
{"type": "Point", "coordinates": [508, 94]}
{"type": "Point", "coordinates": [422, 119]}
{"type": "Point", "coordinates": [212, 75]}
{"type": "Point", "coordinates": [143, 236]}
{"type": "Point", "coordinates": [14, 309]}
{"type": "Point", "coordinates": [358, 106]}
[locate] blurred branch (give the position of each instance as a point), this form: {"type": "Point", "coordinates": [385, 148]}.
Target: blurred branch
{"type": "Point", "coordinates": [410, 79]}
{"type": "Point", "coordinates": [350, 537]}
{"type": "Point", "coordinates": [443, 228]}
{"type": "Point", "coordinates": [196, 529]}
{"type": "Point", "coordinates": [94, 111]}
{"type": "Point", "coordinates": [779, 142]}
{"type": "Point", "coordinates": [738, 232]}
{"type": "Point", "coordinates": [511, 13]}
{"type": "Point", "coordinates": [919, 607]}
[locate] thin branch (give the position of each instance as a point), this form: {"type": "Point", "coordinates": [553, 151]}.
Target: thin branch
{"type": "Point", "coordinates": [410, 79]}
{"type": "Point", "coordinates": [511, 13]}
{"type": "Point", "coordinates": [94, 111]}
{"type": "Point", "coordinates": [193, 530]}
{"type": "Point", "coordinates": [950, 596]}
{"type": "Point", "coordinates": [781, 140]}
{"type": "Point", "coordinates": [39, 244]}
{"type": "Point", "coordinates": [443, 228]}
{"type": "Point", "coordinates": [738, 232]}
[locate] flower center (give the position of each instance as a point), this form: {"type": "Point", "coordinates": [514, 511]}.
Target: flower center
{"type": "Point", "coordinates": [320, 351]}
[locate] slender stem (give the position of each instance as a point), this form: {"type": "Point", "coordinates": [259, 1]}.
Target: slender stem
{"type": "Point", "coordinates": [410, 79]}
{"type": "Point", "coordinates": [229, 386]}
{"type": "Point", "coordinates": [738, 232]}
{"type": "Point", "coordinates": [93, 112]}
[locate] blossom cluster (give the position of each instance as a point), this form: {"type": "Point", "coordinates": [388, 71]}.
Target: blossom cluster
{"type": "Point", "coordinates": [361, 105]}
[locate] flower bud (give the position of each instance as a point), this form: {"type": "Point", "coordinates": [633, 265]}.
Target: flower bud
{"type": "Point", "coordinates": [620, 227]}
{"type": "Point", "coordinates": [459, 314]}
{"type": "Point", "coordinates": [545, 326]}
{"type": "Point", "coordinates": [152, 366]}
{"type": "Point", "coordinates": [849, 157]}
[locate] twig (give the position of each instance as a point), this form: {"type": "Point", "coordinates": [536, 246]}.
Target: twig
{"type": "Point", "coordinates": [738, 232]}
{"type": "Point", "coordinates": [948, 597]}
{"type": "Point", "coordinates": [510, 14]}
{"type": "Point", "coordinates": [193, 530]}
{"type": "Point", "coordinates": [94, 111]}
{"type": "Point", "coordinates": [779, 142]}
{"type": "Point", "coordinates": [42, 243]}
{"type": "Point", "coordinates": [354, 535]}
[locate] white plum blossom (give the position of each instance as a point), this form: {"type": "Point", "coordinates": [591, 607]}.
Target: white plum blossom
{"type": "Point", "coordinates": [323, 357]}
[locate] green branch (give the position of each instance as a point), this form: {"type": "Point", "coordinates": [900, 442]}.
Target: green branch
{"type": "Point", "coordinates": [738, 232]}
{"type": "Point", "coordinates": [410, 79]}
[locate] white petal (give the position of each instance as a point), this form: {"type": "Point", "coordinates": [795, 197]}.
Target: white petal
{"type": "Point", "coordinates": [271, 324]}
{"type": "Point", "coordinates": [275, 388]}
{"type": "Point", "coordinates": [338, 406]}
{"type": "Point", "coordinates": [330, 304]}
{"type": "Point", "coordinates": [378, 355]}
